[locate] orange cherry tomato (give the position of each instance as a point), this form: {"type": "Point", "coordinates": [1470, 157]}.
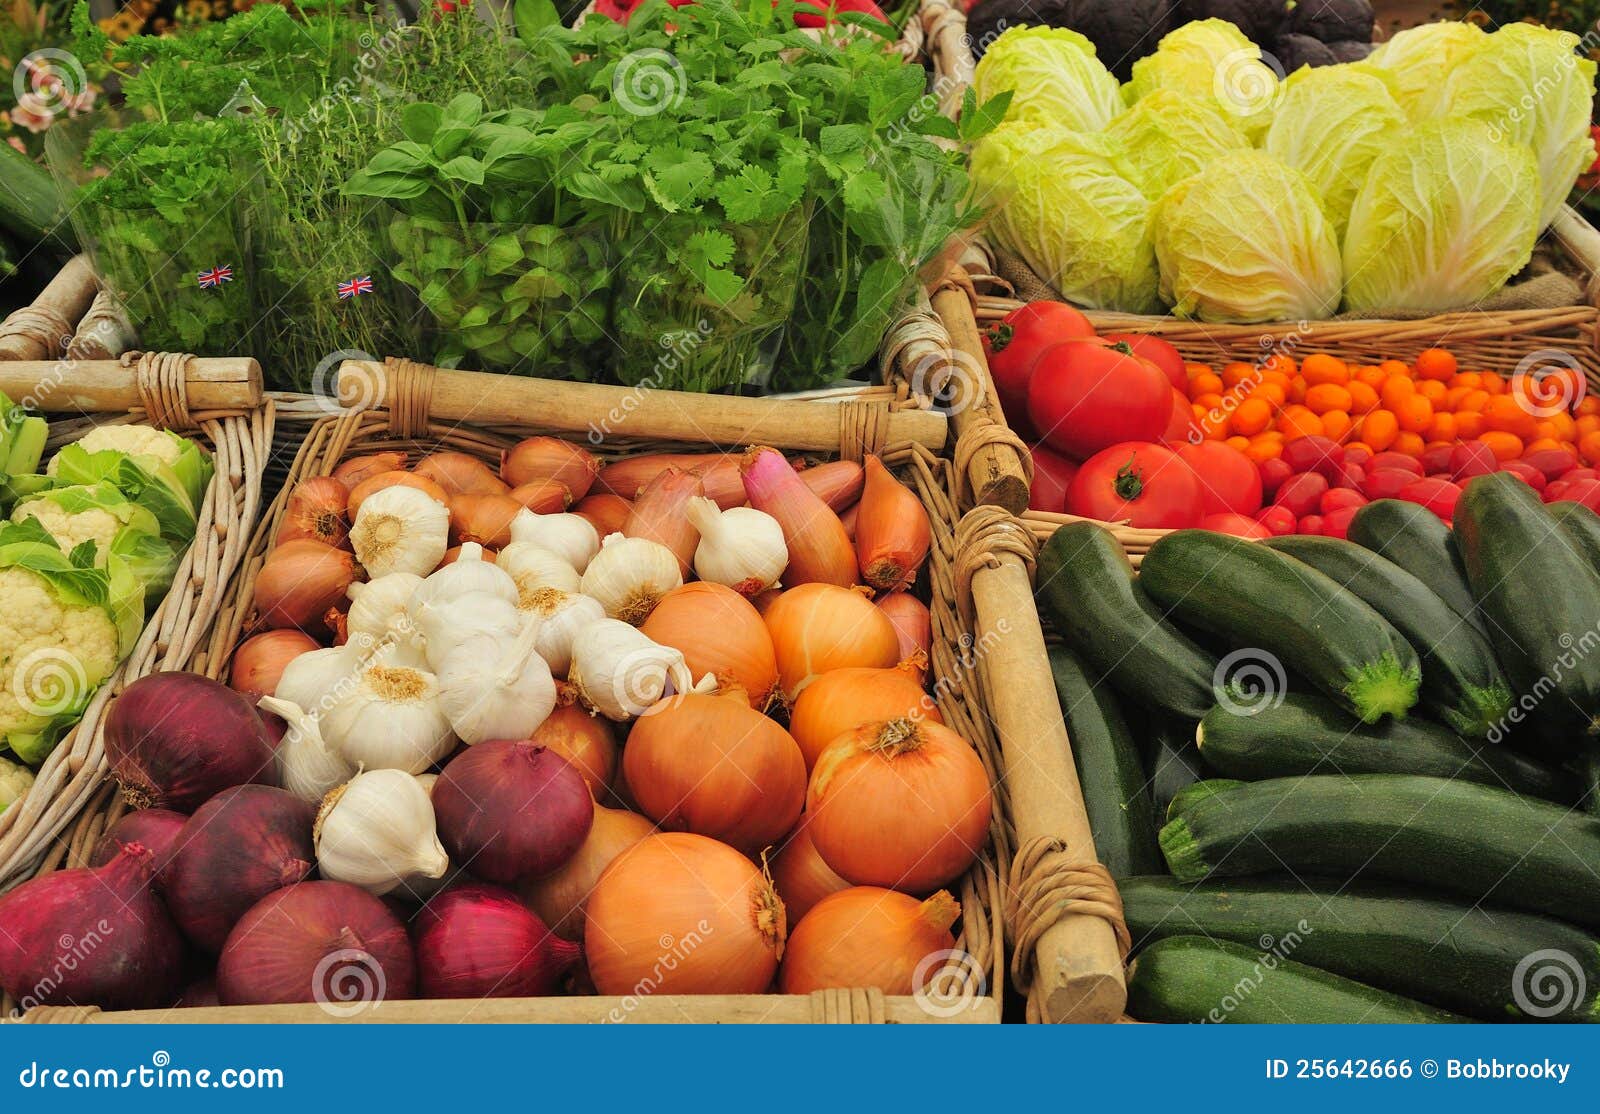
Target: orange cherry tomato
{"type": "Point", "coordinates": [1409, 443]}
{"type": "Point", "coordinates": [1395, 390]}
{"type": "Point", "coordinates": [1379, 429]}
{"type": "Point", "coordinates": [1252, 416]}
{"type": "Point", "coordinates": [1321, 368]}
{"type": "Point", "coordinates": [1415, 414]}
{"type": "Point", "coordinates": [1505, 446]}
{"type": "Point", "coordinates": [1469, 424]}
{"type": "Point", "coordinates": [1436, 364]}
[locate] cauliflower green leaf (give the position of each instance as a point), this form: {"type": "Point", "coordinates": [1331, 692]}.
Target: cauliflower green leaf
{"type": "Point", "coordinates": [161, 471]}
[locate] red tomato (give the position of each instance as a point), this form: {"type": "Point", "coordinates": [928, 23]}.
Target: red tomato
{"type": "Point", "coordinates": [1180, 427]}
{"type": "Point", "coordinates": [1526, 472]}
{"type": "Point", "coordinates": [1573, 475]}
{"type": "Point", "coordinates": [1351, 476]}
{"type": "Point", "coordinates": [1386, 483]}
{"type": "Point", "coordinates": [1239, 525]}
{"type": "Point", "coordinates": [1052, 474]}
{"type": "Point", "coordinates": [1085, 396]}
{"type": "Point", "coordinates": [1586, 492]}
{"type": "Point", "coordinates": [1438, 495]}
{"type": "Point", "coordinates": [1336, 524]}
{"type": "Point", "coordinates": [1340, 498]}
{"type": "Point", "coordinates": [1158, 352]}
{"type": "Point", "coordinates": [1273, 473]}
{"type": "Point", "coordinates": [1395, 462]}
{"type": "Point", "coordinates": [1310, 524]}
{"type": "Point", "coordinates": [1472, 458]}
{"type": "Point", "coordinates": [1436, 461]}
{"type": "Point", "coordinates": [804, 18]}
{"type": "Point", "coordinates": [1552, 462]}
{"type": "Point", "coordinates": [1555, 491]}
{"type": "Point", "coordinates": [1357, 454]}
{"type": "Point", "coordinates": [1141, 482]}
{"type": "Point", "coordinates": [1314, 454]}
{"type": "Point", "coordinates": [1013, 344]}
{"type": "Point", "coordinates": [1278, 520]}
{"type": "Point", "coordinates": [1229, 480]}
{"type": "Point", "coordinates": [1302, 493]}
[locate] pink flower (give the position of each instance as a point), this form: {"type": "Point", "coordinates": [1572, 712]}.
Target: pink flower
{"type": "Point", "coordinates": [17, 143]}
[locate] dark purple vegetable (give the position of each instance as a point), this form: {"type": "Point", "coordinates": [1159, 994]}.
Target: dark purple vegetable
{"type": "Point", "coordinates": [1260, 20]}
{"type": "Point", "coordinates": [1295, 51]}
{"type": "Point", "coordinates": [1122, 30]}
{"type": "Point", "coordinates": [1349, 50]}
{"type": "Point", "coordinates": [1333, 21]}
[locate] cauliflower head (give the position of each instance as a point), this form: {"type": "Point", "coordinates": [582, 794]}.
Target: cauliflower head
{"type": "Point", "coordinates": [135, 440]}
{"type": "Point", "coordinates": [71, 529]}
{"type": "Point", "coordinates": [15, 780]}
{"type": "Point", "coordinates": [53, 654]}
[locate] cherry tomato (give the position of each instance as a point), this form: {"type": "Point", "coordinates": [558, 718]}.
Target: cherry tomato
{"type": "Point", "coordinates": [1052, 473]}
{"type": "Point", "coordinates": [1438, 495]}
{"type": "Point", "coordinates": [1357, 454]}
{"type": "Point", "coordinates": [1013, 345]}
{"type": "Point", "coordinates": [1302, 493]}
{"type": "Point", "coordinates": [1310, 524]}
{"type": "Point", "coordinates": [1336, 523]}
{"type": "Point", "coordinates": [1314, 454]}
{"type": "Point", "coordinates": [1141, 482]}
{"type": "Point", "coordinates": [1472, 458]}
{"type": "Point", "coordinates": [1085, 396]}
{"type": "Point", "coordinates": [1555, 491]}
{"type": "Point", "coordinates": [1180, 427]}
{"type": "Point", "coordinates": [1586, 492]}
{"type": "Point", "coordinates": [1339, 498]}
{"type": "Point", "coordinates": [1386, 483]}
{"type": "Point", "coordinates": [1158, 352]}
{"type": "Point", "coordinates": [1229, 480]}
{"type": "Point", "coordinates": [1351, 476]}
{"type": "Point", "coordinates": [1395, 462]}
{"type": "Point", "coordinates": [1552, 462]}
{"type": "Point", "coordinates": [1278, 520]}
{"type": "Point", "coordinates": [1273, 473]}
{"type": "Point", "coordinates": [1436, 461]}
{"type": "Point", "coordinates": [1525, 472]}
{"type": "Point", "coordinates": [1573, 475]}
{"type": "Point", "coordinates": [1239, 525]}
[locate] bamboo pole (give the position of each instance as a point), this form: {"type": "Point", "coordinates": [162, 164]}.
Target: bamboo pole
{"type": "Point", "coordinates": [635, 412]}
{"type": "Point", "coordinates": [61, 303]}
{"type": "Point", "coordinates": [707, 1009]}
{"type": "Point", "coordinates": [995, 473]}
{"type": "Point", "coordinates": [106, 386]}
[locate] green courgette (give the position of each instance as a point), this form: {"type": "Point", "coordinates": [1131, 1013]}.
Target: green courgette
{"type": "Point", "coordinates": [1455, 955]}
{"type": "Point", "coordinates": [1589, 782]}
{"type": "Point", "coordinates": [1184, 798]}
{"type": "Point", "coordinates": [1277, 612]}
{"type": "Point", "coordinates": [1190, 979]}
{"type": "Point", "coordinates": [1122, 819]}
{"type": "Point", "coordinates": [1462, 682]}
{"type": "Point", "coordinates": [1087, 591]}
{"type": "Point", "coordinates": [1539, 593]}
{"type": "Point", "coordinates": [1582, 526]}
{"type": "Point", "coordinates": [1413, 537]}
{"type": "Point", "coordinates": [1308, 734]}
{"type": "Point", "coordinates": [1488, 845]}
{"type": "Point", "coordinates": [30, 203]}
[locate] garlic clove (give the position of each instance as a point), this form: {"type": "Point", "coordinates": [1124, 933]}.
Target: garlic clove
{"type": "Point", "coordinates": [307, 766]}
{"type": "Point", "coordinates": [570, 536]}
{"type": "Point", "coordinates": [531, 567]}
{"type": "Point", "coordinates": [742, 548]}
{"type": "Point", "coordinates": [377, 830]}
{"type": "Point", "coordinates": [443, 627]}
{"type": "Point", "coordinates": [400, 529]}
{"type": "Point", "coordinates": [561, 616]}
{"type": "Point", "coordinates": [492, 691]}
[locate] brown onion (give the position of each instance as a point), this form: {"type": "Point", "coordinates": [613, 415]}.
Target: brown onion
{"type": "Point", "coordinates": [300, 582]}
{"type": "Point", "coordinates": [478, 941]}
{"type": "Point", "coordinates": [175, 740]}
{"type": "Point", "coordinates": [848, 518]}
{"type": "Point", "coordinates": [843, 699]}
{"type": "Point", "coordinates": [239, 846]}
{"type": "Point", "coordinates": [800, 875]}
{"type": "Point", "coordinates": [608, 514]}
{"type": "Point", "coordinates": [460, 474]}
{"type": "Point", "coordinates": [818, 627]}
{"type": "Point", "coordinates": [543, 496]}
{"type": "Point", "coordinates": [719, 633]}
{"type": "Point", "coordinates": [316, 510]}
{"type": "Point", "coordinates": [156, 829]}
{"type": "Point", "coordinates": [819, 549]}
{"type": "Point", "coordinates": [550, 458]}
{"type": "Point", "coordinates": [485, 519]}
{"type": "Point", "coordinates": [659, 514]}
{"type": "Point", "coordinates": [893, 532]}
{"type": "Point", "coordinates": [511, 810]}
{"type": "Point", "coordinates": [913, 626]}
{"type": "Point", "coordinates": [374, 484]}
{"type": "Point", "coordinates": [689, 914]}
{"type": "Point", "coordinates": [588, 742]}
{"type": "Point", "coordinates": [715, 766]}
{"type": "Point", "coordinates": [261, 659]}
{"type": "Point", "coordinates": [837, 483]}
{"type": "Point", "coordinates": [627, 477]}
{"type": "Point", "coordinates": [327, 942]}
{"type": "Point", "coordinates": [868, 936]}
{"type": "Point", "coordinates": [900, 804]}
{"type": "Point", "coordinates": [559, 898]}
{"type": "Point", "coordinates": [358, 468]}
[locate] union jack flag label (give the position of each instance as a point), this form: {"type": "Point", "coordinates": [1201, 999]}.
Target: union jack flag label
{"type": "Point", "coordinates": [362, 285]}
{"type": "Point", "coordinates": [214, 277]}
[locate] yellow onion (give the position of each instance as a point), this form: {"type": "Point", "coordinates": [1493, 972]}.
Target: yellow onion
{"type": "Point", "coordinates": [719, 633]}
{"type": "Point", "coordinates": [550, 458]}
{"type": "Point", "coordinates": [543, 496]}
{"type": "Point", "coordinates": [892, 530]}
{"type": "Point", "coordinates": [316, 510]}
{"type": "Point", "coordinates": [460, 474]}
{"type": "Point", "coordinates": [868, 936]}
{"type": "Point", "coordinates": [900, 804]}
{"type": "Point", "coordinates": [559, 898]}
{"type": "Point", "coordinates": [374, 484]}
{"type": "Point", "coordinates": [261, 659]}
{"type": "Point", "coordinates": [485, 519]}
{"type": "Point", "coordinates": [843, 699]}
{"type": "Point", "coordinates": [819, 627]}
{"type": "Point", "coordinates": [801, 877]}
{"type": "Point", "coordinates": [608, 514]}
{"type": "Point", "coordinates": [679, 913]}
{"type": "Point", "coordinates": [913, 625]}
{"type": "Point", "coordinates": [301, 582]}
{"type": "Point", "coordinates": [587, 742]}
{"type": "Point", "coordinates": [358, 468]}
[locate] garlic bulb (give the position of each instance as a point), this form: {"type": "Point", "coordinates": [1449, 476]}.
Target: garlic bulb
{"type": "Point", "coordinates": [490, 692]}
{"type": "Point", "coordinates": [741, 547]}
{"type": "Point", "coordinates": [570, 536]}
{"type": "Point", "coordinates": [561, 616]}
{"type": "Point", "coordinates": [397, 653]}
{"type": "Point", "coordinates": [467, 573]}
{"type": "Point", "coordinates": [534, 567]}
{"type": "Point", "coordinates": [444, 628]}
{"type": "Point", "coordinates": [378, 609]}
{"type": "Point", "coordinates": [307, 766]}
{"type": "Point", "coordinates": [377, 830]}
{"type": "Point", "coordinates": [619, 672]}
{"type": "Point", "coordinates": [391, 721]}
{"type": "Point", "coordinates": [318, 680]}
{"type": "Point", "coordinates": [400, 529]}
{"type": "Point", "coordinates": [630, 575]}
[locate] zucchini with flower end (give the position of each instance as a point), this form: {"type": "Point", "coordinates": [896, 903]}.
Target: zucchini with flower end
{"type": "Point", "coordinates": [1486, 844]}
{"type": "Point", "coordinates": [1191, 979]}
{"type": "Point", "coordinates": [1262, 601]}
{"type": "Point", "coordinates": [1201, 790]}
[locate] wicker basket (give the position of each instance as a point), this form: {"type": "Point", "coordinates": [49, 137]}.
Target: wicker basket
{"type": "Point", "coordinates": [417, 408]}
{"type": "Point", "coordinates": [218, 402]}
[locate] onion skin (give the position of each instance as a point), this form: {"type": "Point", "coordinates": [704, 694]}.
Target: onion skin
{"type": "Point", "coordinates": [485, 519]}
{"type": "Point", "coordinates": [175, 740]}
{"type": "Point", "coordinates": [820, 627]}
{"type": "Point", "coordinates": [260, 660]}
{"type": "Point", "coordinates": [819, 548]}
{"type": "Point", "coordinates": [280, 950]}
{"type": "Point", "coordinates": [715, 766]}
{"type": "Point", "coordinates": [608, 514]}
{"type": "Point", "coordinates": [300, 583]}
{"type": "Point", "coordinates": [125, 952]}
{"type": "Point", "coordinates": [867, 936]}
{"type": "Point", "coordinates": [587, 742]}
{"type": "Point", "coordinates": [550, 458]}
{"type": "Point", "coordinates": [837, 483]}
{"type": "Point", "coordinates": [358, 468]}
{"type": "Point", "coordinates": [155, 829]}
{"type": "Point", "coordinates": [719, 632]}
{"type": "Point", "coordinates": [843, 699]}
{"type": "Point", "coordinates": [374, 484]}
{"type": "Point", "coordinates": [511, 810]}
{"type": "Point", "coordinates": [559, 898]}
{"type": "Point", "coordinates": [913, 626]}
{"type": "Point", "coordinates": [848, 518]}
{"type": "Point", "coordinates": [799, 874]}
{"type": "Point", "coordinates": [239, 846]}
{"type": "Point", "coordinates": [660, 515]}
{"type": "Point", "coordinates": [901, 804]}
{"type": "Point", "coordinates": [479, 941]}
{"type": "Point", "coordinates": [543, 496]}
{"type": "Point", "coordinates": [316, 510]}
{"type": "Point", "coordinates": [629, 476]}
{"type": "Point", "coordinates": [460, 474]}
{"type": "Point", "coordinates": [689, 914]}
{"type": "Point", "coordinates": [892, 531]}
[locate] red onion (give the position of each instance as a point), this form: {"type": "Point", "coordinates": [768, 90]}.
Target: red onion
{"type": "Point", "coordinates": [509, 809]}
{"type": "Point", "coordinates": [479, 941]}
{"type": "Point", "coordinates": [156, 828]}
{"type": "Point", "coordinates": [236, 849]}
{"type": "Point", "coordinates": [175, 740]}
{"type": "Point", "coordinates": [98, 936]}
{"type": "Point", "coordinates": [327, 942]}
